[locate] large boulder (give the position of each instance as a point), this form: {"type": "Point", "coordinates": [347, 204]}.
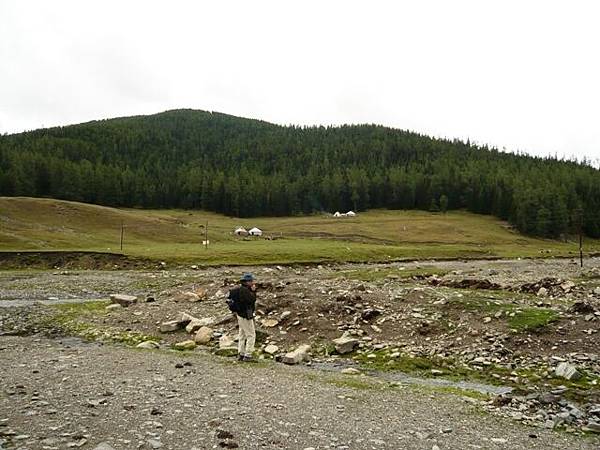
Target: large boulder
{"type": "Point", "coordinates": [203, 336]}
{"type": "Point", "coordinates": [123, 299]}
{"type": "Point", "coordinates": [297, 356]}
{"type": "Point", "coordinates": [568, 371]}
{"type": "Point", "coordinates": [345, 344]}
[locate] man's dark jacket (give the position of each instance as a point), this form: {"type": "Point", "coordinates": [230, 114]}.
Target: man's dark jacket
{"type": "Point", "coordinates": [246, 303]}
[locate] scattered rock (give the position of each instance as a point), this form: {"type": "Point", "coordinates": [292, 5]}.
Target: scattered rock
{"type": "Point", "coordinates": [149, 345]}
{"type": "Point", "coordinates": [269, 323]}
{"type": "Point", "coordinates": [226, 341]}
{"type": "Point", "coordinates": [113, 307]}
{"type": "Point", "coordinates": [185, 345]}
{"type": "Point", "coordinates": [271, 349]}
{"type": "Point", "coordinates": [104, 446]}
{"type": "Point", "coordinates": [345, 344]}
{"type": "Point", "coordinates": [568, 371]}
{"type": "Point", "coordinates": [154, 443]}
{"type": "Point", "coordinates": [196, 324]}
{"type": "Point", "coordinates": [369, 314]}
{"type": "Point", "coordinates": [203, 336]}
{"type": "Point", "coordinates": [123, 299]}
{"type": "Point", "coordinates": [170, 326]}
{"type": "Point", "coordinates": [351, 371]}
{"type": "Point", "coordinates": [296, 356]}
{"type": "Point", "coordinates": [542, 292]}
{"type": "Point", "coordinates": [187, 296]}
{"type": "Point", "coordinates": [592, 426]}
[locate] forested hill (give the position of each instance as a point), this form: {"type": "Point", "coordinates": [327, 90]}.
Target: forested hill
{"type": "Point", "coordinates": [243, 167]}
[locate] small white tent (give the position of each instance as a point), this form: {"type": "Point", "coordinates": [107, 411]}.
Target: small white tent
{"type": "Point", "coordinates": [255, 232]}
{"type": "Point", "coordinates": [337, 214]}
{"type": "Point", "coordinates": [240, 231]}
{"type": "Point", "coordinates": [351, 214]}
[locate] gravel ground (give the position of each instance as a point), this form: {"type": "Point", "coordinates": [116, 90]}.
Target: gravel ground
{"type": "Point", "coordinates": [59, 394]}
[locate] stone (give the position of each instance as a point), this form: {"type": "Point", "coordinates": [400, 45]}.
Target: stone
{"type": "Point", "coordinates": [226, 341]}
{"type": "Point", "coordinates": [185, 318]}
{"type": "Point", "coordinates": [567, 286]}
{"type": "Point", "coordinates": [185, 345]}
{"type": "Point", "coordinates": [351, 371]}
{"type": "Point", "coordinates": [148, 345]}
{"type": "Point", "coordinates": [123, 299]}
{"type": "Point", "coordinates": [190, 296]}
{"type": "Point", "coordinates": [113, 307]}
{"type": "Point", "coordinates": [345, 344]}
{"type": "Point", "coordinates": [487, 319]}
{"type": "Point", "coordinates": [597, 291]}
{"type": "Point", "coordinates": [542, 292]}
{"type": "Point", "coordinates": [296, 356]}
{"type": "Point", "coordinates": [203, 336]}
{"type": "Point", "coordinates": [104, 446]}
{"type": "Point", "coordinates": [196, 324]}
{"type": "Point", "coordinates": [285, 315]}
{"type": "Point", "coordinates": [592, 426]}
{"type": "Point", "coordinates": [154, 443]}
{"type": "Point", "coordinates": [170, 326]}
{"type": "Point", "coordinates": [568, 371]}
{"type": "Point", "coordinates": [269, 323]}
{"type": "Point", "coordinates": [271, 349]}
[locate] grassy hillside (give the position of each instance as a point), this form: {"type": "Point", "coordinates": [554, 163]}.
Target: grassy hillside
{"type": "Point", "coordinates": [380, 235]}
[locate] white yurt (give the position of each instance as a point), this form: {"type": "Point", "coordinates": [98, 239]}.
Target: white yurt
{"type": "Point", "coordinates": [255, 232]}
{"type": "Point", "coordinates": [337, 214]}
{"type": "Point", "coordinates": [351, 214]}
{"type": "Point", "coordinates": [240, 231]}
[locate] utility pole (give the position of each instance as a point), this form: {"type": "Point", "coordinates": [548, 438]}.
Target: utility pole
{"type": "Point", "coordinates": [580, 222]}
{"type": "Point", "coordinates": [580, 246]}
{"type": "Point", "coordinates": [206, 236]}
{"type": "Point", "coordinates": [122, 227]}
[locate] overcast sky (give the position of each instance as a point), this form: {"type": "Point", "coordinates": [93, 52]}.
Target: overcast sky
{"type": "Point", "coordinates": [524, 75]}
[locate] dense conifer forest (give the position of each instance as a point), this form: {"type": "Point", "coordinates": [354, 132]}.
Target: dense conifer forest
{"type": "Point", "coordinates": [243, 167]}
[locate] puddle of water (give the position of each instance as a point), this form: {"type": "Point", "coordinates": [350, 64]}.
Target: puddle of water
{"type": "Point", "coordinates": [337, 366]}
{"type": "Point", "coordinates": [30, 302]}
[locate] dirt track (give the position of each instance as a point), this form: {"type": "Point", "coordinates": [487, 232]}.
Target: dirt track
{"type": "Point", "coordinates": [62, 395]}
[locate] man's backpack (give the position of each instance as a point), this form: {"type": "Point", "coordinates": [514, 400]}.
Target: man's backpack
{"type": "Point", "coordinates": [233, 300]}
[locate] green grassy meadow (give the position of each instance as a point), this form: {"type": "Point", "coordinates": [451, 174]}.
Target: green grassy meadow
{"type": "Point", "coordinates": [177, 235]}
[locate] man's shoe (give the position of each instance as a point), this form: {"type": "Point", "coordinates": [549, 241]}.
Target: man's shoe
{"type": "Point", "coordinates": [241, 357]}
{"type": "Point", "coordinates": [248, 359]}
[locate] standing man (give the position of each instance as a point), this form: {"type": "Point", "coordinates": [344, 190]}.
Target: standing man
{"type": "Point", "coordinates": [246, 305]}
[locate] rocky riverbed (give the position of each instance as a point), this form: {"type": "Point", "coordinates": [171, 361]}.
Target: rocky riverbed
{"type": "Point", "coordinates": [528, 328]}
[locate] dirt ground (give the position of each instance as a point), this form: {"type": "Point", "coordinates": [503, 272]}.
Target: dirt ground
{"type": "Point", "coordinates": [506, 323]}
{"type": "Point", "coordinates": [62, 394]}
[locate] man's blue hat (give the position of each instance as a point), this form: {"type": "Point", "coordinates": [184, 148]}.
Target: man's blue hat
{"type": "Point", "coordinates": [248, 277]}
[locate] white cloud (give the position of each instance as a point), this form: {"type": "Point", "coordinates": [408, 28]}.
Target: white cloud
{"type": "Point", "coordinates": [514, 74]}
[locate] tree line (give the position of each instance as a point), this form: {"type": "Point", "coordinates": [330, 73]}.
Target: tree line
{"type": "Point", "coordinates": [242, 167]}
